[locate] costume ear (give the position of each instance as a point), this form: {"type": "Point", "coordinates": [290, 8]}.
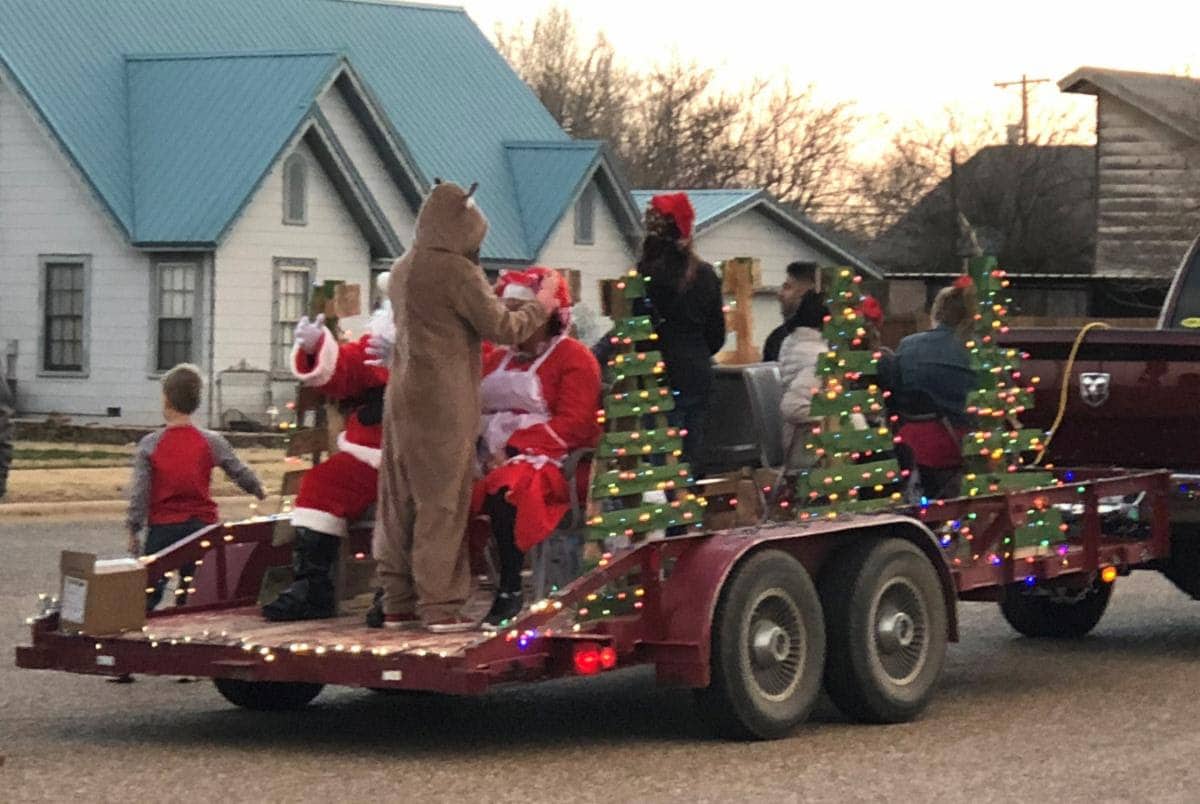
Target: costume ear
{"type": "Point", "coordinates": [437, 180]}
{"type": "Point", "coordinates": [471, 191]}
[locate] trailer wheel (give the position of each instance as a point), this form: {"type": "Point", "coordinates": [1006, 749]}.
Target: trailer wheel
{"type": "Point", "coordinates": [885, 617]}
{"type": "Point", "coordinates": [1056, 614]}
{"type": "Point", "coordinates": [267, 696]}
{"type": "Point", "coordinates": [768, 647]}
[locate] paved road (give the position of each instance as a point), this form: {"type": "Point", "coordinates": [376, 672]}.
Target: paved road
{"type": "Point", "coordinates": [1110, 718]}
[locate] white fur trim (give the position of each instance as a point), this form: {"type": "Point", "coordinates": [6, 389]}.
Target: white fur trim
{"type": "Point", "coordinates": [368, 455]}
{"type": "Point", "coordinates": [555, 435]}
{"type": "Point", "coordinates": [326, 365]}
{"type": "Point", "coordinates": [517, 291]}
{"type": "Point", "coordinates": [318, 520]}
{"type": "Point", "coordinates": [538, 461]}
{"type": "Point", "coordinates": [383, 283]}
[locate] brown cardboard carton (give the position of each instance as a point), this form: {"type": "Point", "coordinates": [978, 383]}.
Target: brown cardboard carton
{"type": "Point", "coordinates": [101, 597]}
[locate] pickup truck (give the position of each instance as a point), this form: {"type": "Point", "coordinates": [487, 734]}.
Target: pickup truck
{"type": "Point", "coordinates": [1132, 401]}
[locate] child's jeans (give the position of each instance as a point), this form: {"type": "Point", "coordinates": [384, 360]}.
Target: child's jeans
{"type": "Point", "coordinates": [161, 537]}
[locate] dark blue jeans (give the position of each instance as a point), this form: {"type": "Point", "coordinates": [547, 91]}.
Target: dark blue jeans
{"type": "Point", "coordinates": [160, 537]}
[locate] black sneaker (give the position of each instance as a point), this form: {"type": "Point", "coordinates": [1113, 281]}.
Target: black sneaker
{"type": "Point", "coordinates": [505, 608]}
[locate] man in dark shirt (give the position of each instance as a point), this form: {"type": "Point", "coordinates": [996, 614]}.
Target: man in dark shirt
{"type": "Point", "coordinates": [797, 294]}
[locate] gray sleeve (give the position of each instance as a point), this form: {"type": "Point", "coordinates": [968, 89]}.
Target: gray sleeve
{"type": "Point", "coordinates": [231, 465]}
{"type": "Point", "coordinates": [139, 488]}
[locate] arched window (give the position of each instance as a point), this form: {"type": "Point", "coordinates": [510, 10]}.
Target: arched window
{"type": "Point", "coordinates": [295, 190]}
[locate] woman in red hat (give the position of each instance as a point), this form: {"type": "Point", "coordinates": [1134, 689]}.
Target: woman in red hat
{"type": "Point", "coordinates": [539, 405]}
{"type": "Point", "coordinates": [687, 309]}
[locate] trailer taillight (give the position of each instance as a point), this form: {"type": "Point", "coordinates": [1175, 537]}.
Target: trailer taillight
{"type": "Point", "coordinates": [1108, 574]}
{"type": "Point", "coordinates": [590, 658]}
{"type": "Point", "coordinates": [587, 659]}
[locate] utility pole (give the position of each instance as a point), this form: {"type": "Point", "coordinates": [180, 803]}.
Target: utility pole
{"type": "Point", "coordinates": [1025, 83]}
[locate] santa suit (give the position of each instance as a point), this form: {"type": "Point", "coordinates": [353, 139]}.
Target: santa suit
{"type": "Point", "coordinates": [341, 489]}
{"type": "Point", "coordinates": [537, 412]}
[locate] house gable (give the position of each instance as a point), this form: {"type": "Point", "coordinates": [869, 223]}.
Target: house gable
{"type": "Point", "coordinates": [430, 70]}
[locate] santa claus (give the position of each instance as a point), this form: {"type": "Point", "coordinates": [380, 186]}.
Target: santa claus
{"type": "Point", "coordinates": [341, 489]}
{"type": "Point", "coordinates": [539, 402]}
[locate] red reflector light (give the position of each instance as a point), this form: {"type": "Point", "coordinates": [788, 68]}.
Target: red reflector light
{"type": "Point", "coordinates": [587, 659]}
{"type": "Point", "coordinates": [608, 658]}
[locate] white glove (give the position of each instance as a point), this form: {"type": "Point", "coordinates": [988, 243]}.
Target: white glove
{"type": "Point", "coordinates": [308, 333]}
{"type": "Point", "coordinates": [379, 349]}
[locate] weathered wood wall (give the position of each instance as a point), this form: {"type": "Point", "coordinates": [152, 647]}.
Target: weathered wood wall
{"type": "Point", "coordinates": [1149, 192]}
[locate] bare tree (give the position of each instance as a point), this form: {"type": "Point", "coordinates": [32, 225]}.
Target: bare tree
{"type": "Point", "coordinates": [1031, 205]}
{"type": "Point", "coordinates": [673, 127]}
{"type": "Point", "coordinates": [586, 89]}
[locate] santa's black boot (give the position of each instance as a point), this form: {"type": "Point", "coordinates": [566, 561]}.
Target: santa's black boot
{"type": "Point", "coordinates": [310, 597]}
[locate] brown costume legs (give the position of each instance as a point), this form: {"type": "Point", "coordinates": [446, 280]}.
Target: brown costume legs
{"type": "Point", "coordinates": [420, 539]}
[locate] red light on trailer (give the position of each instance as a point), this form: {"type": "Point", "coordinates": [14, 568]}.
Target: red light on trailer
{"type": "Point", "coordinates": [608, 657]}
{"type": "Point", "coordinates": [587, 659]}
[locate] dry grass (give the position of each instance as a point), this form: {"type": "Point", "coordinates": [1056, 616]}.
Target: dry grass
{"type": "Point", "coordinates": [45, 472]}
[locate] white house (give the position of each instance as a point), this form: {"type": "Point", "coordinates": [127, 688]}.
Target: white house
{"type": "Point", "coordinates": [174, 177]}
{"type": "Point", "coordinates": [752, 223]}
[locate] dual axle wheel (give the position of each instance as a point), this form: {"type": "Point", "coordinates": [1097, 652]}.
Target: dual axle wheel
{"type": "Point", "coordinates": [874, 632]}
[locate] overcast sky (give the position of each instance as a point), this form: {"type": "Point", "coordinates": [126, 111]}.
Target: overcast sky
{"type": "Point", "coordinates": [896, 60]}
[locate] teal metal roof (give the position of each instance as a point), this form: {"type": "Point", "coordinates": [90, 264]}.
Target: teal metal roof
{"type": "Point", "coordinates": [710, 205]}
{"type": "Point", "coordinates": [234, 113]}
{"type": "Point", "coordinates": [447, 93]}
{"type": "Point", "coordinates": [548, 177]}
{"type": "Point", "coordinates": [714, 206]}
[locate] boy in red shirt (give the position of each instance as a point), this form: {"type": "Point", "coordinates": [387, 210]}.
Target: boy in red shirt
{"type": "Point", "coordinates": [172, 472]}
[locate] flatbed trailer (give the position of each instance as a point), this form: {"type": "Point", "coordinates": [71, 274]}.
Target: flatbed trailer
{"type": "Point", "coordinates": [754, 619]}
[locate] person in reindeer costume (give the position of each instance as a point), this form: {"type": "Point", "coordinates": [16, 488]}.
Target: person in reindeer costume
{"type": "Point", "coordinates": [341, 489]}
{"type": "Point", "coordinates": [444, 309]}
{"type": "Point", "coordinates": [539, 404]}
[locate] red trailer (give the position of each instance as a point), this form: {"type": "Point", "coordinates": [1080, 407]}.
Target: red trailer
{"type": "Point", "coordinates": [755, 620]}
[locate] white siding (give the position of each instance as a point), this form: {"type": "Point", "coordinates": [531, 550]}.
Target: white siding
{"type": "Point", "coordinates": [753, 234]}
{"type": "Point", "coordinates": [45, 208]}
{"type": "Point", "coordinates": [245, 268]}
{"type": "Point", "coordinates": [607, 258]}
{"type": "Point", "coordinates": [366, 159]}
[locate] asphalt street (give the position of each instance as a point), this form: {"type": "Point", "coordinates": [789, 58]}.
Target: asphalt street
{"type": "Point", "coordinates": [1109, 718]}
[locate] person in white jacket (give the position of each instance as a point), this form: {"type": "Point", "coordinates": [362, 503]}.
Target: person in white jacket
{"type": "Point", "coordinates": [798, 358]}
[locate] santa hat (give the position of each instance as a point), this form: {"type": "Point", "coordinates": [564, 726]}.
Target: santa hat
{"type": "Point", "coordinates": [871, 310]}
{"type": "Point", "coordinates": [678, 208]}
{"type": "Point", "coordinates": [524, 285]}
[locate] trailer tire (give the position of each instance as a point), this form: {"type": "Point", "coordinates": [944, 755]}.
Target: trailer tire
{"type": "Point", "coordinates": [768, 648]}
{"type": "Point", "coordinates": [885, 617]}
{"type": "Point", "coordinates": [267, 696]}
{"type": "Point", "coordinates": [1042, 616]}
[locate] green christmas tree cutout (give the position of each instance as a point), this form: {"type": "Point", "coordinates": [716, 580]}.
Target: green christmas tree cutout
{"type": "Point", "coordinates": [994, 452]}
{"type": "Point", "coordinates": [638, 465]}
{"type": "Point", "coordinates": [849, 447]}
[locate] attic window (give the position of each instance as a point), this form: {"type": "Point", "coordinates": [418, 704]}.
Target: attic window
{"type": "Point", "coordinates": [295, 195]}
{"type": "Point", "coordinates": [585, 217]}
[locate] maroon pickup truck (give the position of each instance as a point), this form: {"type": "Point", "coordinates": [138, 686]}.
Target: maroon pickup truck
{"type": "Point", "coordinates": [1133, 402]}
{"type": "Point", "coordinates": [1134, 397]}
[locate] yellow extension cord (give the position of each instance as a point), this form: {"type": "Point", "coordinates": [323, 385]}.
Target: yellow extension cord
{"type": "Point", "coordinates": [1066, 385]}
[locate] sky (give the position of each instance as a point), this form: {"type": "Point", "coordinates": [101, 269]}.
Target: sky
{"type": "Point", "coordinates": [897, 61]}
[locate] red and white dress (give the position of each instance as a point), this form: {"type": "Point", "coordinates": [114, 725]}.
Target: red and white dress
{"type": "Point", "coordinates": [341, 489]}
{"type": "Point", "coordinates": [539, 412]}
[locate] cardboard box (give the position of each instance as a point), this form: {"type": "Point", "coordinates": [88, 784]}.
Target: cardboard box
{"type": "Point", "coordinates": [101, 597]}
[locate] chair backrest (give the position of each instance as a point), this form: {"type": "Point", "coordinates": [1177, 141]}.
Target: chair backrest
{"type": "Point", "coordinates": [764, 388]}
{"type": "Point", "coordinates": [730, 438]}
